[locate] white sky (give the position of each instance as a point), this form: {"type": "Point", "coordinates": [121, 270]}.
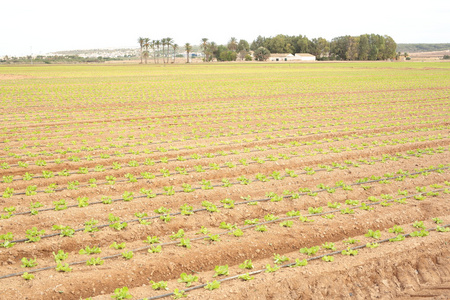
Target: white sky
{"type": "Point", "coordinates": [42, 26]}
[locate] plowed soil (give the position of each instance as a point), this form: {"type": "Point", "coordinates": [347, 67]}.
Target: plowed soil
{"type": "Point", "coordinates": [313, 165]}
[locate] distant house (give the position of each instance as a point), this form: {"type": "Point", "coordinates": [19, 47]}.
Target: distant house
{"type": "Point", "coordinates": [290, 57]}
{"type": "Point", "coordinates": [303, 57]}
{"type": "Point", "coordinates": [279, 56]}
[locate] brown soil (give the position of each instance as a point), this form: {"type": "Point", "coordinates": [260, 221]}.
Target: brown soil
{"type": "Point", "coordinates": [377, 141]}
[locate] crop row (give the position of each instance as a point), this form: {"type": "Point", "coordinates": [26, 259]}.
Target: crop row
{"type": "Point", "coordinates": [110, 179]}
{"type": "Point", "coordinates": [198, 156]}
{"type": "Point", "coordinates": [208, 119]}
{"type": "Point", "coordinates": [166, 215]}
{"type": "Point", "coordinates": [155, 245]}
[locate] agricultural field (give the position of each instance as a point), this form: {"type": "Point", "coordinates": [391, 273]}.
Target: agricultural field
{"type": "Point", "coordinates": [225, 181]}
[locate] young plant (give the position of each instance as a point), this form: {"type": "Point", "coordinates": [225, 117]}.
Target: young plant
{"type": "Point", "coordinates": [373, 234]}
{"type": "Point", "coordinates": [212, 285]}
{"type": "Point", "coordinates": [121, 294]}
{"type": "Point", "coordinates": [349, 251]}
{"type": "Point", "coordinates": [270, 269]}
{"type": "Point", "coordinates": [328, 258]}
{"type": "Point", "coordinates": [28, 263]}
{"type": "Point", "coordinates": [27, 276]}
{"type": "Point", "coordinates": [221, 270]}
{"type": "Point", "coordinates": [60, 256]}
{"type": "Point", "coordinates": [310, 251]}
{"type": "Point", "coordinates": [188, 279]}
{"type": "Point", "coordinates": [95, 261]}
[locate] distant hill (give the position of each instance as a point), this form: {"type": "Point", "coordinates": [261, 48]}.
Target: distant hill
{"type": "Point", "coordinates": [412, 48]}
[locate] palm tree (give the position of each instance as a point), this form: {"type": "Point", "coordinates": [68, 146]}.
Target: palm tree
{"type": "Point", "coordinates": [204, 46]}
{"type": "Point", "coordinates": [153, 45]}
{"type": "Point", "coordinates": [188, 49]}
{"type": "Point", "coordinates": [158, 43]}
{"type": "Point", "coordinates": [232, 44]}
{"type": "Point", "coordinates": [175, 47]}
{"type": "Point", "coordinates": [141, 44]}
{"type": "Point", "coordinates": [169, 42]}
{"type": "Point", "coordinates": [146, 46]}
{"type": "Point", "coordinates": [212, 48]}
{"type": "Point", "coordinates": [163, 43]}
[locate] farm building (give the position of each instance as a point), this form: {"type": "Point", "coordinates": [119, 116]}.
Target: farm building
{"type": "Point", "coordinates": [303, 57]}
{"type": "Point", "coordinates": [290, 57]}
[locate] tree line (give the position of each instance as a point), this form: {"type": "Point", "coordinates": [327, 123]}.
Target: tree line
{"type": "Point", "coordinates": [363, 47]}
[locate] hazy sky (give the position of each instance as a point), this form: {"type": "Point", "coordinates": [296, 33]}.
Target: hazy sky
{"type": "Point", "coordinates": [42, 26]}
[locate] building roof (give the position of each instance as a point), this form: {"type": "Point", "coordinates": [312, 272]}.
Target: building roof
{"type": "Point", "coordinates": [280, 54]}
{"type": "Point", "coordinates": [303, 54]}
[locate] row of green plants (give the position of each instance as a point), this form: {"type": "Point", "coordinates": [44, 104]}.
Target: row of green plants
{"type": "Point", "coordinates": [279, 262]}
{"type": "Point", "coordinates": [173, 122]}
{"type": "Point", "coordinates": [205, 184]}
{"type": "Point", "coordinates": [207, 136]}
{"type": "Point", "coordinates": [169, 108]}
{"type": "Point", "coordinates": [397, 230]}
{"type": "Point", "coordinates": [186, 210]}
{"type": "Point", "coordinates": [149, 162]}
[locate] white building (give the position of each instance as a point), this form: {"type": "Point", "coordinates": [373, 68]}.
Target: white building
{"type": "Point", "coordinates": [290, 57]}
{"type": "Point", "coordinates": [303, 57]}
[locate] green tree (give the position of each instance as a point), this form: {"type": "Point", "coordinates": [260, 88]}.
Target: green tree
{"type": "Point", "coordinates": [205, 47]}
{"type": "Point", "coordinates": [146, 46]}
{"type": "Point", "coordinates": [302, 44]}
{"type": "Point", "coordinates": [243, 48]}
{"type": "Point", "coordinates": [169, 42]}
{"type": "Point", "coordinates": [188, 49]}
{"type": "Point", "coordinates": [212, 51]}
{"type": "Point", "coordinates": [232, 44]}
{"type": "Point", "coordinates": [175, 48]}
{"type": "Point", "coordinates": [261, 54]}
{"type": "Point", "coordinates": [364, 47]}
{"type": "Point", "coordinates": [141, 45]}
{"type": "Point", "coordinates": [390, 47]}
{"type": "Point", "coordinates": [259, 42]}
{"type": "Point", "coordinates": [320, 47]}
{"type": "Point", "coordinates": [352, 48]}
{"type": "Point", "coordinates": [158, 45]}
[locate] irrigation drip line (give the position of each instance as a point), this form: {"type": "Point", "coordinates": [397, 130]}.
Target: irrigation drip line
{"type": "Point", "coordinates": [281, 266]}
{"type": "Point", "coordinates": [261, 131]}
{"type": "Point", "coordinates": [180, 191]}
{"type": "Point", "coordinates": [203, 237]}
{"type": "Point", "coordinates": [192, 171]}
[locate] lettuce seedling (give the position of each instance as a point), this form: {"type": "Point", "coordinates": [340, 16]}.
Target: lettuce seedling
{"type": "Point", "coordinates": [27, 276]}
{"type": "Point", "coordinates": [300, 263]}
{"type": "Point", "coordinates": [212, 285]}
{"type": "Point", "coordinates": [117, 246]}
{"type": "Point", "coordinates": [60, 267]}
{"type": "Point", "coordinates": [247, 264]}
{"type": "Point", "coordinates": [94, 261]}
{"type": "Point", "coordinates": [349, 251]}
{"type": "Point", "coordinates": [121, 294]}
{"type": "Point", "coordinates": [28, 263]}
{"type": "Point", "coordinates": [279, 259]}
{"type": "Point", "coordinates": [328, 258]}
{"type": "Point", "coordinates": [246, 277]}
{"type": "Point", "coordinates": [188, 279]}
{"type": "Point", "coordinates": [373, 234]}
{"type": "Point", "coordinates": [310, 251]}
{"type": "Point", "coordinates": [372, 245]}
{"type": "Point", "coordinates": [185, 243]}
{"type": "Point", "coordinates": [270, 269]}
{"type": "Point", "coordinates": [88, 250]}
{"type": "Point", "coordinates": [221, 270]}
